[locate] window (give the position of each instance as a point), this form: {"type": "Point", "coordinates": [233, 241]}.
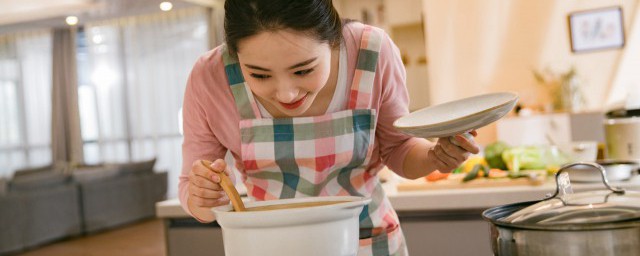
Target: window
{"type": "Point", "coordinates": [25, 101]}
{"type": "Point", "coordinates": [132, 76]}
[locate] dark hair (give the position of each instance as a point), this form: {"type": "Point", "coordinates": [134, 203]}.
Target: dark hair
{"type": "Point", "coordinates": [245, 18]}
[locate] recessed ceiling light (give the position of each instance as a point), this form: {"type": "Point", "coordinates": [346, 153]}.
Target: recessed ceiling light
{"type": "Point", "coordinates": [72, 20]}
{"type": "Point", "coordinates": [166, 6]}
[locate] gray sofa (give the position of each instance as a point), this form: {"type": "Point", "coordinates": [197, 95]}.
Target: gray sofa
{"type": "Point", "coordinates": [38, 207]}
{"type": "Point", "coordinates": [116, 194]}
{"type": "Point", "coordinates": [41, 205]}
{"type": "Point", "coordinates": [11, 221]}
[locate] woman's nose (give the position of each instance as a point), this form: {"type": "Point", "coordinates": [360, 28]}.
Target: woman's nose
{"type": "Point", "coordinates": [287, 93]}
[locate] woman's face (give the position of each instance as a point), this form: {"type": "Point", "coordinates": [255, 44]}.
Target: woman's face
{"type": "Point", "coordinates": [285, 69]}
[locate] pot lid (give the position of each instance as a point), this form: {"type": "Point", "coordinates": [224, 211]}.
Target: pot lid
{"type": "Point", "coordinates": [593, 207]}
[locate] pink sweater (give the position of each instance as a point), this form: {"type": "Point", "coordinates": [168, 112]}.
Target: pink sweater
{"type": "Point", "coordinates": [211, 121]}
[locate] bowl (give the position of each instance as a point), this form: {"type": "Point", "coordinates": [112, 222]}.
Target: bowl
{"type": "Point", "coordinates": [330, 229]}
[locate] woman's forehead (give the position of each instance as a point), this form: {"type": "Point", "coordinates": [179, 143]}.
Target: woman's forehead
{"type": "Point", "coordinates": [287, 47]}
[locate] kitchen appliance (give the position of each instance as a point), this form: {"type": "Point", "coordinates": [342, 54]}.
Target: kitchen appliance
{"type": "Point", "coordinates": [622, 134]}
{"type": "Point", "coordinates": [601, 222]}
{"type": "Point", "coordinates": [331, 229]}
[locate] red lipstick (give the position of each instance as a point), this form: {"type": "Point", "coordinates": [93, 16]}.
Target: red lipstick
{"type": "Point", "coordinates": [295, 104]}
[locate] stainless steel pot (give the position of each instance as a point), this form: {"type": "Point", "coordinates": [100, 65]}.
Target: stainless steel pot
{"type": "Point", "coordinates": [616, 171]}
{"type": "Point", "coordinates": [602, 222]}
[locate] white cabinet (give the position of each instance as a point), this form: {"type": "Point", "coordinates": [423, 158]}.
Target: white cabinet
{"type": "Point", "coordinates": [560, 128]}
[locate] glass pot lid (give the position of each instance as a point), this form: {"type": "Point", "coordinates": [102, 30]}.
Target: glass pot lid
{"type": "Point", "coordinates": [593, 207]}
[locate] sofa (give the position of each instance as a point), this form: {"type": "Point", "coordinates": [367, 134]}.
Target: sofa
{"type": "Point", "coordinates": [41, 205]}
{"type": "Point", "coordinates": [11, 220]}
{"type": "Point", "coordinates": [38, 207]}
{"type": "Point", "coordinates": [116, 194]}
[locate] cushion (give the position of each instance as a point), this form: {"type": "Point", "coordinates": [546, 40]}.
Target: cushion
{"type": "Point", "coordinates": [86, 174]}
{"type": "Point", "coordinates": [39, 180]}
{"type": "Point", "coordinates": [36, 170]}
{"type": "Point", "coordinates": [137, 168]}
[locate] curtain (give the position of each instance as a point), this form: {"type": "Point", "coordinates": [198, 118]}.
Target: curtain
{"type": "Point", "coordinates": [130, 100]}
{"type": "Point", "coordinates": [25, 100]}
{"type": "Point", "coordinates": [66, 143]}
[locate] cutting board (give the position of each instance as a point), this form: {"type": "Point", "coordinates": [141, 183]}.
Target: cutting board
{"type": "Point", "coordinates": [422, 184]}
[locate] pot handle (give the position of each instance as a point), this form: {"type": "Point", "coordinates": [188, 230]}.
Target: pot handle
{"type": "Point", "coordinates": [603, 173]}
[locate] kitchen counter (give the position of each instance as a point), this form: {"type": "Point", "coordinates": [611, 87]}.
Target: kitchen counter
{"type": "Point", "coordinates": [429, 218]}
{"type": "Point", "coordinates": [445, 199]}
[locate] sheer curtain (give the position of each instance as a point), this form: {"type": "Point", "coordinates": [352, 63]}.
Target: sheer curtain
{"type": "Point", "coordinates": [25, 100]}
{"type": "Point", "coordinates": [130, 96]}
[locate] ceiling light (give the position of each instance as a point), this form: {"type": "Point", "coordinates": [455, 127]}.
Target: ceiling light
{"type": "Point", "coordinates": [166, 6]}
{"type": "Point", "coordinates": [72, 20]}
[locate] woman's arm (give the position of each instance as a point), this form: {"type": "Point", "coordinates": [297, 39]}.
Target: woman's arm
{"type": "Point", "coordinates": [198, 189]}
{"type": "Point", "coordinates": [426, 157]}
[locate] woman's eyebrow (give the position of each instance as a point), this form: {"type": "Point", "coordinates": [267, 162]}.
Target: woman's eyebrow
{"type": "Point", "coordinates": [304, 63]}
{"type": "Point", "coordinates": [301, 64]}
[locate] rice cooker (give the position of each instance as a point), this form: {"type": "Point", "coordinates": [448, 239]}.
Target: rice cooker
{"type": "Point", "coordinates": [622, 134]}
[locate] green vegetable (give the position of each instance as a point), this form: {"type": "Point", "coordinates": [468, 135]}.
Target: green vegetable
{"type": "Point", "coordinates": [493, 155]}
{"type": "Point", "coordinates": [524, 158]}
{"type": "Point", "coordinates": [457, 170]}
{"type": "Point", "coordinates": [473, 173]}
{"type": "Point", "coordinates": [486, 170]}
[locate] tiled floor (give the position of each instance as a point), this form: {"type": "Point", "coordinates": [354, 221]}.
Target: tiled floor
{"type": "Point", "coordinates": [139, 239]}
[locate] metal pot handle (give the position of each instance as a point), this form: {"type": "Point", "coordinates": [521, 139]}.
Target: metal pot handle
{"type": "Point", "coordinates": [603, 173]}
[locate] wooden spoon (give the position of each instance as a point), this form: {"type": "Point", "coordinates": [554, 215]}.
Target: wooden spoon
{"type": "Point", "coordinates": [227, 186]}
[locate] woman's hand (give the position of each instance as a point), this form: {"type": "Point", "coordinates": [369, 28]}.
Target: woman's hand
{"type": "Point", "coordinates": [204, 188]}
{"type": "Point", "coordinates": [447, 155]}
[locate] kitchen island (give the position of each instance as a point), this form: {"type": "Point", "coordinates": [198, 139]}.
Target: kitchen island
{"type": "Point", "coordinates": [435, 222]}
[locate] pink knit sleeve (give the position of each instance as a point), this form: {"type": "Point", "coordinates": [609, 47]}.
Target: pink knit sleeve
{"type": "Point", "coordinates": [394, 103]}
{"type": "Point", "coordinates": [200, 143]}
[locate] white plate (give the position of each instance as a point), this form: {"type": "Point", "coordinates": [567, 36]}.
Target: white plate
{"type": "Point", "coordinates": [457, 117]}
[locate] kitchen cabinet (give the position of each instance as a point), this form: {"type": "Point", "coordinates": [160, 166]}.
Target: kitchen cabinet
{"type": "Point", "coordinates": [558, 127]}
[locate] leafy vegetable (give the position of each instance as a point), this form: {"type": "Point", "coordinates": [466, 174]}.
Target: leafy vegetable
{"type": "Point", "coordinates": [493, 155]}
{"type": "Point", "coordinates": [524, 158]}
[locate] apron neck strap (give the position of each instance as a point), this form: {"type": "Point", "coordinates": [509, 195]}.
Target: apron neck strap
{"type": "Point", "coordinates": [245, 103]}
{"type": "Point", "coordinates": [363, 78]}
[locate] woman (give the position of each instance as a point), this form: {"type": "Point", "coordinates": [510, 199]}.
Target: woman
{"type": "Point", "coordinates": [305, 103]}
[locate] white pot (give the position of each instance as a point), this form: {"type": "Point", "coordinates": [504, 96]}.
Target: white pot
{"type": "Point", "coordinates": [318, 230]}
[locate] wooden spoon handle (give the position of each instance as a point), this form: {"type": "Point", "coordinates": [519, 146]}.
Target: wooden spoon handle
{"type": "Point", "coordinates": [227, 186]}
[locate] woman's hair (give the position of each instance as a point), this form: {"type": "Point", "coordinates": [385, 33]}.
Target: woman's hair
{"type": "Point", "coordinates": [245, 18]}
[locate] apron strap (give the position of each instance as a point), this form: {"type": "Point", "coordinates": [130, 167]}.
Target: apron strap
{"type": "Point", "coordinates": [245, 102]}
{"type": "Point", "coordinates": [360, 94]}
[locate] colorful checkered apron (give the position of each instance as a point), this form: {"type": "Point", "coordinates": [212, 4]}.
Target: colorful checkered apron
{"type": "Point", "coordinates": [322, 155]}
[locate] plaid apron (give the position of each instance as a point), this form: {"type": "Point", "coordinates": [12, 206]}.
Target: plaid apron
{"type": "Point", "coordinates": [322, 155]}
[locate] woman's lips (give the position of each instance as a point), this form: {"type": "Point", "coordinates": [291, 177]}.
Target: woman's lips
{"type": "Point", "coordinates": [295, 104]}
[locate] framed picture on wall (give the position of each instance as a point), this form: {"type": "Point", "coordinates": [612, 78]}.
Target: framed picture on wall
{"type": "Point", "coordinates": [596, 29]}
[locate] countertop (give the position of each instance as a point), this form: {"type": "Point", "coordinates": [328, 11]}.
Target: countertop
{"type": "Point", "coordinates": [447, 199]}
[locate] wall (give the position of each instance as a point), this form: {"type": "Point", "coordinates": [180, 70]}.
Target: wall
{"type": "Point", "coordinates": [477, 47]}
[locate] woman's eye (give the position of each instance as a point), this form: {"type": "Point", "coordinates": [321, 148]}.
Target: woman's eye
{"type": "Point", "coordinates": [259, 76]}
{"type": "Point", "coordinates": [304, 72]}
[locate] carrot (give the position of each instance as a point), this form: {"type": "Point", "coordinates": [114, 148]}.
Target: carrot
{"type": "Point", "coordinates": [497, 173]}
{"type": "Point", "coordinates": [436, 175]}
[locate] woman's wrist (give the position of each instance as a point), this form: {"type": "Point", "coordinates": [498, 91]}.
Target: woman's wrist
{"type": "Point", "coordinates": [202, 214]}
{"type": "Point", "coordinates": [417, 163]}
